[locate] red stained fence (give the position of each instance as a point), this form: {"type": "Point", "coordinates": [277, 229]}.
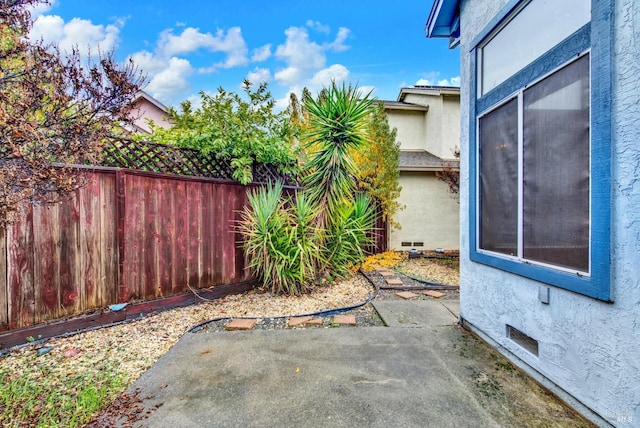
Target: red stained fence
{"type": "Point", "coordinates": [128, 235]}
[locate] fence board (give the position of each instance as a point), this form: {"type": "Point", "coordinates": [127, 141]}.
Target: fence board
{"type": "Point", "coordinates": [20, 258]}
{"type": "Point", "coordinates": [4, 302]}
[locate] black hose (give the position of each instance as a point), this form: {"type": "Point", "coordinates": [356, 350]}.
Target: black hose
{"type": "Point", "coordinates": [428, 285]}
{"type": "Point", "coordinates": [334, 311]}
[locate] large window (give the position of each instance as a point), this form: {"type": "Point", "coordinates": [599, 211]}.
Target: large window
{"type": "Point", "coordinates": [537, 143]}
{"type": "Point", "coordinates": [534, 172]}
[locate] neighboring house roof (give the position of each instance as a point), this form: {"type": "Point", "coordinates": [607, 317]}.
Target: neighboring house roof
{"type": "Point", "coordinates": [428, 90]}
{"type": "Point", "coordinates": [422, 160]}
{"type": "Point", "coordinates": [398, 105]}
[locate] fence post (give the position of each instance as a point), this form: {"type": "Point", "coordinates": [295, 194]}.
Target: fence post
{"type": "Point", "coordinates": [123, 290]}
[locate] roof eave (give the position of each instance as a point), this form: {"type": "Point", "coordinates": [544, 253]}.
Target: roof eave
{"type": "Point", "coordinates": [444, 21]}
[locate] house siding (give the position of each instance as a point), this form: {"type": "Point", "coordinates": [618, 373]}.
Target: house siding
{"type": "Point", "coordinates": [430, 215]}
{"type": "Point", "coordinates": [586, 347]}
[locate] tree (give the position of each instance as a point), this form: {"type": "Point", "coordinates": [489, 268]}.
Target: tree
{"type": "Point", "coordinates": [55, 111]}
{"type": "Point", "coordinates": [242, 130]}
{"type": "Point", "coordinates": [377, 161]}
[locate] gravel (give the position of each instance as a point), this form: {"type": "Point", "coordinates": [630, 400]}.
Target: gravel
{"type": "Point", "coordinates": [131, 348]}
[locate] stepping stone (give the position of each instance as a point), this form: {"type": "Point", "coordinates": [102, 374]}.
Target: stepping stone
{"type": "Point", "coordinates": [406, 295]}
{"type": "Point", "coordinates": [394, 281]}
{"type": "Point", "coordinates": [344, 319]}
{"type": "Point", "coordinates": [315, 321]}
{"type": "Point", "coordinates": [386, 273]}
{"type": "Point", "coordinates": [296, 321]}
{"type": "Point", "coordinates": [434, 294]}
{"type": "Point", "coordinates": [241, 324]}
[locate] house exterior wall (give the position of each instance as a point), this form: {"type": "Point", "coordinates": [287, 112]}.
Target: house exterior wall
{"type": "Point", "coordinates": [145, 111]}
{"type": "Point", "coordinates": [430, 215]}
{"type": "Point", "coordinates": [587, 347]}
{"type": "Point", "coordinates": [411, 127]}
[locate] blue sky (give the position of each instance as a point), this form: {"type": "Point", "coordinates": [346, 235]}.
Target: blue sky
{"type": "Point", "coordinates": [189, 46]}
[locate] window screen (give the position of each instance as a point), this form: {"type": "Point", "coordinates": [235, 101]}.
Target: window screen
{"type": "Point", "coordinates": [498, 132]}
{"type": "Point", "coordinates": [556, 168]}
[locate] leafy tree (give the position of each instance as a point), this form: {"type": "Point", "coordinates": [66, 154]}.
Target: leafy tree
{"type": "Point", "coordinates": [244, 130]}
{"type": "Point", "coordinates": [55, 111]}
{"type": "Point", "coordinates": [377, 163]}
{"type": "Point", "coordinates": [293, 244]}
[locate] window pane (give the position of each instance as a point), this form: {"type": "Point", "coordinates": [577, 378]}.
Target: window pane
{"type": "Point", "coordinates": [541, 25]}
{"type": "Point", "coordinates": [556, 168]}
{"type": "Point", "coordinates": [498, 181]}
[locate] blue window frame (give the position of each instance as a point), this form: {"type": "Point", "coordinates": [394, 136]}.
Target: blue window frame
{"type": "Point", "coordinates": [591, 43]}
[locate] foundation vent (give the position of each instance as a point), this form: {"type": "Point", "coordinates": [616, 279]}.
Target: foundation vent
{"type": "Point", "coordinates": [406, 244]}
{"type": "Point", "coordinates": [522, 340]}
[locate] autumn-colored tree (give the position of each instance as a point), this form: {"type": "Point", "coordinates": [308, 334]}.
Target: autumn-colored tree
{"type": "Point", "coordinates": [55, 111]}
{"type": "Point", "coordinates": [377, 163]}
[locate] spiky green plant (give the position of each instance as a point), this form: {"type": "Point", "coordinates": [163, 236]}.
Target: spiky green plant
{"type": "Point", "coordinates": [336, 126]}
{"type": "Point", "coordinates": [292, 244]}
{"type": "Point", "coordinates": [281, 239]}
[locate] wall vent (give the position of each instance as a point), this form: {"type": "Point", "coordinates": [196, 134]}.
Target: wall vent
{"type": "Point", "coordinates": [522, 340]}
{"type": "Point", "coordinates": [406, 244]}
{"type": "Point", "coordinates": [418, 244]}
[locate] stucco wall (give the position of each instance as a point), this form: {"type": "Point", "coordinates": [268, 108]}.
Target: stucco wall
{"type": "Point", "coordinates": [431, 214]}
{"type": "Point", "coordinates": [411, 128]}
{"type": "Point", "coordinates": [588, 348]}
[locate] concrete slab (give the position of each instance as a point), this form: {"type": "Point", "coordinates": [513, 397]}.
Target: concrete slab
{"type": "Point", "coordinates": [374, 377]}
{"type": "Point", "coordinates": [416, 313]}
{"type": "Point", "coordinates": [360, 377]}
{"type": "Point", "coordinates": [452, 305]}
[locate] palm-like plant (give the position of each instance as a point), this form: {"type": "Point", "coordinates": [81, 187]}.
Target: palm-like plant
{"type": "Point", "coordinates": [292, 244]}
{"type": "Point", "coordinates": [336, 122]}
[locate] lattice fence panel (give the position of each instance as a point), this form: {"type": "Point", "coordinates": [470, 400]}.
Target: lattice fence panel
{"type": "Point", "coordinates": [153, 157]}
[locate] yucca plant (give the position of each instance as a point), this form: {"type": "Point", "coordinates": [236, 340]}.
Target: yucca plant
{"type": "Point", "coordinates": [336, 126]}
{"type": "Point", "coordinates": [293, 244]}
{"type": "Point", "coordinates": [281, 239]}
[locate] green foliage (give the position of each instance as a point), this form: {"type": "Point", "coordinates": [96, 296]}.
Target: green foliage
{"type": "Point", "coordinates": [377, 163]}
{"type": "Point", "coordinates": [281, 239]}
{"type": "Point", "coordinates": [41, 400]}
{"type": "Point", "coordinates": [293, 244]}
{"type": "Point", "coordinates": [336, 126]}
{"type": "Point", "coordinates": [245, 130]}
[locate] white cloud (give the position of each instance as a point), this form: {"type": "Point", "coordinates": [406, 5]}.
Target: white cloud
{"type": "Point", "coordinates": [318, 26]}
{"type": "Point", "coordinates": [338, 44]}
{"type": "Point", "coordinates": [259, 75]}
{"type": "Point", "coordinates": [298, 51]}
{"type": "Point", "coordinates": [262, 53]}
{"type": "Point", "coordinates": [431, 79]}
{"type": "Point", "coordinates": [172, 80]}
{"type": "Point", "coordinates": [289, 76]}
{"type": "Point", "coordinates": [148, 62]}
{"type": "Point", "coordinates": [337, 72]}
{"type": "Point", "coordinates": [82, 33]}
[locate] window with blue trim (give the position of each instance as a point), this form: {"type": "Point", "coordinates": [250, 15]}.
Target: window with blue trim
{"type": "Point", "coordinates": [539, 157]}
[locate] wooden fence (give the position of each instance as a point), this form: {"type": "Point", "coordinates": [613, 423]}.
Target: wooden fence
{"type": "Point", "coordinates": [126, 236]}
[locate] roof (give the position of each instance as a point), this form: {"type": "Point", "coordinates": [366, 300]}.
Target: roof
{"type": "Point", "coordinates": [398, 105]}
{"type": "Point", "coordinates": [428, 90]}
{"type": "Point", "coordinates": [422, 160]}
{"type": "Point", "coordinates": [444, 21]}
{"type": "Point", "coordinates": [155, 102]}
